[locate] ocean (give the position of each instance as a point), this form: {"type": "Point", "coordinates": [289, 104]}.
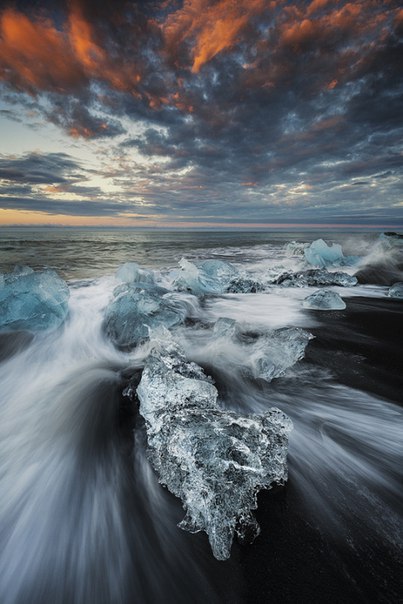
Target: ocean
{"type": "Point", "coordinates": [83, 517]}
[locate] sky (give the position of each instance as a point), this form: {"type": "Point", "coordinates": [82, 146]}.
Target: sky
{"type": "Point", "coordinates": [201, 113]}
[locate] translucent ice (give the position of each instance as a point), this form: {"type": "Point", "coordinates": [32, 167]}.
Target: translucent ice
{"type": "Point", "coordinates": [316, 277]}
{"type": "Point", "coordinates": [396, 291]}
{"type": "Point", "coordinates": [130, 272]}
{"type": "Point", "coordinates": [214, 460]}
{"type": "Point", "coordinates": [225, 327]}
{"type": "Point", "coordinates": [208, 277]}
{"type": "Point", "coordinates": [32, 301]}
{"type": "Point", "coordinates": [320, 254]}
{"type": "Point", "coordinates": [218, 270]}
{"type": "Point", "coordinates": [277, 351]}
{"type": "Point", "coordinates": [137, 307]}
{"type": "Point", "coordinates": [324, 299]}
{"type": "Point", "coordinates": [243, 353]}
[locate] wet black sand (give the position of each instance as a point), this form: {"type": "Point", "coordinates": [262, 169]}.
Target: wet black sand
{"type": "Point", "coordinates": [293, 560]}
{"type": "Point", "coordinates": [362, 345]}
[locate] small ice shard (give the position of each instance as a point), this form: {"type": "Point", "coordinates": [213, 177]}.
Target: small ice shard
{"type": "Point", "coordinates": [216, 461]}
{"type": "Point", "coordinates": [316, 277]}
{"type": "Point", "coordinates": [137, 307]}
{"type": "Point", "coordinates": [208, 277]}
{"type": "Point", "coordinates": [324, 299]}
{"type": "Point", "coordinates": [321, 255]}
{"type": "Point", "coordinates": [130, 272]}
{"type": "Point", "coordinates": [32, 301]}
{"type": "Point", "coordinates": [275, 352]}
{"type": "Point", "coordinates": [396, 291]}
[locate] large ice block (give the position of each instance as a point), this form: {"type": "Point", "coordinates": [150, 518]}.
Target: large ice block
{"type": "Point", "coordinates": [320, 254]}
{"type": "Point", "coordinates": [138, 307]}
{"type": "Point", "coordinates": [208, 277]}
{"type": "Point", "coordinates": [214, 460]}
{"type": "Point", "coordinates": [131, 272]}
{"type": "Point", "coordinates": [32, 301]}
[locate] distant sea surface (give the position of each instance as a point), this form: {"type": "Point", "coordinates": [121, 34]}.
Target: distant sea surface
{"type": "Point", "coordinates": [82, 253]}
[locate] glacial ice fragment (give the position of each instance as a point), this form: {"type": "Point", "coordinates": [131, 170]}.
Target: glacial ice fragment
{"type": "Point", "coordinates": [277, 351]}
{"type": "Point", "coordinates": [324, 299]}
{"type": "Point", "coordinates": [266, 356]}
{"type": "Point", "coordinates": [137, 307]}
{"type": "Point", "coordinates": [225, 327]}
{"type": "Point", "coordinates": [316, 277]}
{"type": "Point", "coordinates": [214, 460]}
{"type": "Point", "coordinates": [32, 301]}
{"type": "Point", "coordinates": [208, 277]}
{"type": "Point", "coordinates": [396, 291]}
{"type": "Point", "coordinates": [130, 272]}
{"type": "Point", "coordinates": [320, 254]}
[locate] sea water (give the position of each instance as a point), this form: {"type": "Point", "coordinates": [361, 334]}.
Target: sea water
{"type": "Point", "coordinates": [82, 516]}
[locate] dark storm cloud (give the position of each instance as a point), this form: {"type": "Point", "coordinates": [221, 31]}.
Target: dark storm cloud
{"type": "Point", "coordinates": [68, 207]}
{"type": "Point", "coordinates": [37, 168]}
{"type": "Point", "coordinates": [78, 121]}
{"type": "Point", "coordinates": [249, 109]}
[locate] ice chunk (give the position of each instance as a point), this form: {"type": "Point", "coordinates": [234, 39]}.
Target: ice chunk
{"type": "Point", "coordinates": [137, 307]}
{"type": "Point", "coordinates": [130, 272]}
{"type": "Point", "coordinates": [225, 327]}
{"type": "Point", "coordinates": [316, 277]}
{"type": "Point", "coordinates": [275, 352]}
{"type": "Point", "coordinates": [396, 291]}
{"type": "Point", "coordinates": [324, 299]}
{"type": "Point", "coordinates": [32, 301]}
{"type": "Point", "coordinates": [214, 460]}
{"type": "Point", "coordinates": [219, 270]}
{"type": "Point", "coordinates": [208, 277]}
{"type": "Point", "coordinates": [320, 254]}
{"type": "Point", "coordinates": [265, 356]}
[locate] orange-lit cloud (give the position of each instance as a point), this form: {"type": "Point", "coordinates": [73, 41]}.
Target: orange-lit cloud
{"type": "Point", "coordinates": [35, 55]}
{"type": "Point", "coordinates": [95, 60]}
{"type": "Point", "coordinates": [316, 5]}
{"type": "Point", "coordinates": [213, 27]}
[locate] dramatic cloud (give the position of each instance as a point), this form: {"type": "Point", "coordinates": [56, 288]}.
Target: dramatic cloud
{"type": "Point", "coordinates": [36, 168]}
{"type": "Point", "coordinates": [218, 110]}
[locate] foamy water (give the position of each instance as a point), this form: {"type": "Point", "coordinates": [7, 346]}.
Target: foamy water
{"type": "Point", "coordinates": [82, 516]}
